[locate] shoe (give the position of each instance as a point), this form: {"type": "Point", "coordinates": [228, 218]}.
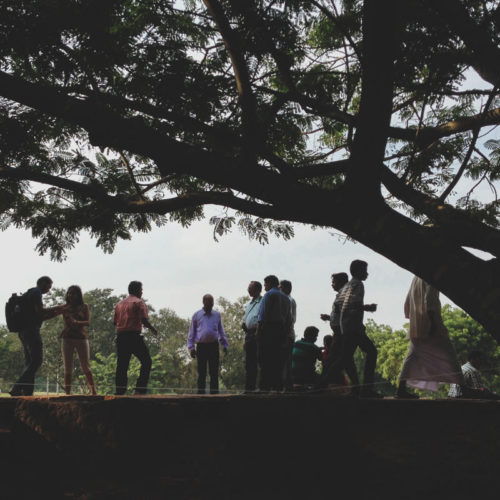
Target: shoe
{"type": "Point", "coordinates": [371, 395]}
{"type": "Point", "coordinates": [468, 393]}
{"type": "Point", "coordinates": [16, 393]}
{"type": "Point", "coordinates": [405, 395]}
{"type": "Point", "coordinates": [352, 395]}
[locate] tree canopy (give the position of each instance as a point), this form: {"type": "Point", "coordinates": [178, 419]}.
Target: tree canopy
{"type": "Point", "coordinates": [357, 115]}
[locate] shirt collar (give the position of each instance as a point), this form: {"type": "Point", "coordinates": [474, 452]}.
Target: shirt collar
{"type": "Point", "coordinates": [470, 366]}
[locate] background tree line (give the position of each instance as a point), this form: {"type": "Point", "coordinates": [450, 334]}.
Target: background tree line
{"type": "Point", "coordinates": [174, 371]}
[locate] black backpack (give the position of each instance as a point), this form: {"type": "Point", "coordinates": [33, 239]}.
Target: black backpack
{"type": "Point", "coordinates": [15, 313]}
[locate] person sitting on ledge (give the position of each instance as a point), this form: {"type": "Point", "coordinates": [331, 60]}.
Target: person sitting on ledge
{"type": "Point", "coordinates": [304, 357]}
{"type": "Point", "coordinates": [472, 377]}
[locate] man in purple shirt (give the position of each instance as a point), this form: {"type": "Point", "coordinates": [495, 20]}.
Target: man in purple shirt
{"type": "Point", "coordinates": [206, 331]}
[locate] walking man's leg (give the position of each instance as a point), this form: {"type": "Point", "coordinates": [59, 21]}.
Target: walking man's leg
{"type": "Point", "coordinates": [123, 353]}
{"type": "Point", "coordinates": [141, 351]}
{"type": "Point", "coordinates": [33, 356]}
{"type": "Point", "coordinates": [368, 347]}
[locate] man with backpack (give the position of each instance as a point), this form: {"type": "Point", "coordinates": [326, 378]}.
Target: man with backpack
{"type": "Point", "coordinates": [33, 315]}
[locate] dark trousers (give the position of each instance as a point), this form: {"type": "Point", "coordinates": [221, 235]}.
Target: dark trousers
{"type": "Point", "coordinates": [208, 354]}
{"type": "Point", "coordinates": [350, 342]}
{"type": "Point", "coordinates": [272, 351]}
{"type": "Point", "coordinates": [33, 356]}
{"type": "Point", "coordinates": [287, 381]}
{"type": "Point", "coordinates": [128, 343]}
{"type": "Point", "coordinates": [251, 361]}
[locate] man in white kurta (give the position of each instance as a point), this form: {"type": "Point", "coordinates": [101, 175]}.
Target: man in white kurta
{"type": "Point", "coordinates": [431, 359]}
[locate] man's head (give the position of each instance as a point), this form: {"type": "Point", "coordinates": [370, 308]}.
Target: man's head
{"type": "Point", "coordinates": [311, 334]}
{"type": "Point", "coordinates": [359, 269]}
{"type": "Point", "coordinates": [44, 284]}
{"type": "Point", "coordinates": [254, 289]}
{"type": "Point", "coordinates": [339, 280]}
{"type": "Point", "coordinates": [135, 288]}
{"type": "Point", "coordinates": [475, 358]}
{"type": "Point", "coordinates": [271, 281]}
{"type": "Point", "coordinates": [286, 286]}
{"type": "Point", "coordinates": [208, 302]}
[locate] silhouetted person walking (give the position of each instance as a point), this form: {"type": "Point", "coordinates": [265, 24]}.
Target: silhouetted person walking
{"type": "Point", "coordinates": [130, 314]}
{"type": "Point", "coordinates": [431, 358]}
{"type": "Point", "coordinates": [34, 314]}
{"type": "Point", "coordinates": [351, 305]}
{"type": "Point", "coordinates": [206, 331]}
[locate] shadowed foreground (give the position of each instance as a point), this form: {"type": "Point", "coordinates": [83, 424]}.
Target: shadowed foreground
{"type": "Point", "coordinates": [248, 447]}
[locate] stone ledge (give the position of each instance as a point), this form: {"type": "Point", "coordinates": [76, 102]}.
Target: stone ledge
{"type": "Point", "coordinates": [250, 446]}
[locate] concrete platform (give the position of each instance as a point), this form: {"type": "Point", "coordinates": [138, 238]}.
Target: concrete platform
{"type": "Point", "coordinates": [249, 447]}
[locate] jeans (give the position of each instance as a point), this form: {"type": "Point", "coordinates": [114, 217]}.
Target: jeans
{"type": "Point", "coordinates": [33, 356]}
{"type": "Point", "coordinates": [128, 343]}
{"type": "Point", "coordinates": [208, 354]}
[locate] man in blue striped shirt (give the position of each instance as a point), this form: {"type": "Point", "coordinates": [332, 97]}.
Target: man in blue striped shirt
{"type": "Point", "coordinates": [250, 322]}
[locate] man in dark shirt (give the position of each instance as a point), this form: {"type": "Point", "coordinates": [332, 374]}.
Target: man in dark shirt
{"type": "Point", "coordinates": [34, 315]}
{"type": "Point", "coordinates": [274, 323]}
{"type": "Point", "coordinates": [304, 357]}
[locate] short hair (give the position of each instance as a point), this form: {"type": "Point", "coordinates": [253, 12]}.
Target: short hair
{"type": "Point", "coordinates": [311, 333]}
{"type": "Point", "coordinates": [340, 278]}
{"type": "Point", "coordinates": [286, 285]}
{"type": "Point", "coordinates": [474, 354]}
{"type": "Point", "coordinates": [78, 290]}
{"type": "Point", "coordinates": [134, 287]}
{"type": "Point", "coordinates": [272, 280]}
{"type": "Point", "coordinates": [44, 280]}
{"type": "Point", "coordinates": [257, 285]}
{"type": "Point", "coordinates": [327, 340]}
{"type": "Point", "coordinates": [357, 266]}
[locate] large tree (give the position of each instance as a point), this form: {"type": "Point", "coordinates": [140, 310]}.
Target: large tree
{"type": "Point", "coordinates": [337, 113]}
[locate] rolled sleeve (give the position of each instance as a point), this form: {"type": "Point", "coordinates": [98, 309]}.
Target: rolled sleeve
{"type": "Point", "coordinates": [222, 335]}
{"type": "Point", "coordinates": [192, 334]}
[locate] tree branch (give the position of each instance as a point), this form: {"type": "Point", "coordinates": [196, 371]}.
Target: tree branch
{"type": "Point", "coordinates": [458, 225]}
{"type": "Point", "coordinates": [381, 31]}
{"type": "Point", "coordinates": [468, 155]}
{"type": "Point", "coordinates": [475, 37]}
{"type": "Point", "coordinates": [97, 193]}
{"type": "Point", "coordinates": [107, 129]}
{"type": "Point", "coordinates": [243, 83]}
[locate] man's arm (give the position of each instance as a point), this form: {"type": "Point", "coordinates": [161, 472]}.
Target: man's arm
{"type": "Point", "coordinates": [41, 312]}
{"type": "Point", "coordinates": [222, 335]}
{"type": "Point", "coordinates": [145, 319]}
{"type": "Point", "coordinates": [147, 324]}
{"type": "Point", "coordinates": [191, 336]}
